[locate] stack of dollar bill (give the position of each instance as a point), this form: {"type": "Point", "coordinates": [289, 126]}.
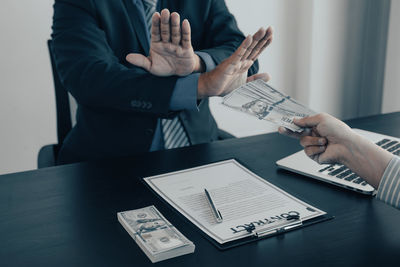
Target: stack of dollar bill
{"type": "Point", "coordinates": [259, 99]}
{"type": "Point", "coordinates": [158, 239]}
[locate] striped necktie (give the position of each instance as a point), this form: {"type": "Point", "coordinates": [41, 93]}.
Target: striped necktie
{"type": "Point", "coordinates": [173, 131]}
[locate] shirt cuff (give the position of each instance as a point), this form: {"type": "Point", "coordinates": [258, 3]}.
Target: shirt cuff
{"type": "Point", "coordinates": [389, 187]}
{"type": "Point", "coordinates": [185, 93]}
{"type": "Point", "coordinates": [207, 59]}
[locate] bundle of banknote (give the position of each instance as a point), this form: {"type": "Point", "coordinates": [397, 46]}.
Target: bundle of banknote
{"type": "Point", "coordinates": [158, 239]}
{"type": "Point", "coordinates": [259, 99]}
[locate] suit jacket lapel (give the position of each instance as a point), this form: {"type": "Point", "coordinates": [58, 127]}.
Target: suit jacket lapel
{"type": "Point", "coordinates": [135, 12]}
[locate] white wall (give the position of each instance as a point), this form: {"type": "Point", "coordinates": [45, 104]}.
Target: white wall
{"type": "Point", "coordinates": [391, 92]}
{"type": "Point", "coordinates": [27, 108]}
{"type": "Point", "coordinates": [314, 57]}
{"type": "Point", "coordinates": [335, 69]}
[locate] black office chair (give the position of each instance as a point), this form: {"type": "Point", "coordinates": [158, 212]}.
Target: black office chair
{"type": "Point", "coordinates": [47, 156]}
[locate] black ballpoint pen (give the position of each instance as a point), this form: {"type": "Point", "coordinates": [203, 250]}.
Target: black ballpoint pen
{"type": "Point", "coordinates": [215, 211]}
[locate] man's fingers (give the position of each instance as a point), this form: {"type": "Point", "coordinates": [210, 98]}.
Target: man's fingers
{"type": "Point", "coordinates": [257, 49]}
{"type": "Point", "coordinates": [186, 35]}
{"type": "Point", "coordinates": [309, 122]}
{"type": "Point", "coordinates": [139, 60]}
{"type": "Point", "coordinates": [165, 26]}
{"type": "Point", "coordinates": [262, 76]}
{"type": "Point", "coordinates": [325, 158]}
{"type": "Point", "coordinates": [269, 40]}
{"type": "Point", "coordinates": [175, 28]}
{"type": "Point", "coordinates": [239, 53]}
{"type": "Point", "coordinates": [306, 141]}
{"type": "Point", "coordinates": [257, 37]}
{"type": "Point", "coordinates": [270, 31]}
{"type": "Point", "coordinates": [155, 28]}
{"type": "Point", "coordinates": [284, 131]}
{"type": "Point", "coordinates": [262, 44]}
{"type": "Point", "coordinates": [314, 150]}
{"type": "Point", "coordinates": [236, 57]}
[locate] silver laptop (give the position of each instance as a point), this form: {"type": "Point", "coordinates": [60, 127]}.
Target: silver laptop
{"type": "Point", "coordinates": [338, 174]}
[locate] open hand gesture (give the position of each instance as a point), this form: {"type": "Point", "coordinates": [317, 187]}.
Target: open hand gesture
{"type": "Point", "coordinates": [232, 72]}
{"type": "Point", "coordinates": [171, 51]}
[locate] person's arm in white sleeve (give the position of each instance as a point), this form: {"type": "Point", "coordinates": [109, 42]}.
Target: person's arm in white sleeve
{"type": "Point", "coordinates": [329, 140]}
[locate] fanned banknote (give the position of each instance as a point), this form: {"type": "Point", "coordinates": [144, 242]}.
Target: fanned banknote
{"type": "Point", "coordinates": [259, 99]}
{"type": "Point", "coordinates": [156, 236]}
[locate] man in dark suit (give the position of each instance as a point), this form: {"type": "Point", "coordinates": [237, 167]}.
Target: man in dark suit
{"type": "Point", "coordinates": [156, 97]}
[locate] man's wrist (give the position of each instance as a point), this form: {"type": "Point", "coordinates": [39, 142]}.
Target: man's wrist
{"type": "Point", "coordinates": [351, 147]}
{"type": "Point", "coordinates": [366, 159]}
{"type": "Point", "coordinates": [199, 64]}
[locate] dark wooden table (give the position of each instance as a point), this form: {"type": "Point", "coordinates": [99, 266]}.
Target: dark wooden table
{"type": "Point", "coordinates": [66, 215]}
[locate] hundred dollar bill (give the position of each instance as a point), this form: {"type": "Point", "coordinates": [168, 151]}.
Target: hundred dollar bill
{"type": "Point", "coordinates": [156, 236]}
{"type": "Point", "coordinates": [259, 99]}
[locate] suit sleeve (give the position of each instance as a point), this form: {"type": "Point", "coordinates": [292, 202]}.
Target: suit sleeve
{"type": "Point", "coordinates": [92, 73]}
{"type": "Point", "coordinates": [223, 35]}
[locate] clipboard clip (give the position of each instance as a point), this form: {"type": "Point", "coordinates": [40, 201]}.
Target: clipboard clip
{"type": "Point", "coordinates": [292, 222]}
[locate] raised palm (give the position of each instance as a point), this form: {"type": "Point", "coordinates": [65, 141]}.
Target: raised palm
{"type": "Point", "coordinates": [171, 51]}
{"type": "Point", "coordinates": [170, 59]}
{"type": "Point", "coordinates": [232, 72]}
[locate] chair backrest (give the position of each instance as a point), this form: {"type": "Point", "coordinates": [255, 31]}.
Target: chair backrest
{"type": "Point", "coordinates": [63, 109]}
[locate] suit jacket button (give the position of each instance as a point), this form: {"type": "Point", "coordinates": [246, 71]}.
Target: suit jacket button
{"type": "Point", "coordinates": [149, 131]}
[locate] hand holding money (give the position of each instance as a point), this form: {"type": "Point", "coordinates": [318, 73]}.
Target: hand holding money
{"type": "Point", "coordinates": [260, 100]}
{"type": "Point", "coordinates": [232, 72]}
{"type": "Point", "coordinates": [328, 141]}
{"type": "Point", "coordinates": [332, 141]}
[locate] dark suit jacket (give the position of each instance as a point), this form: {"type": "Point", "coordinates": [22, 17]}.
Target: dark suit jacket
{"type": "Point", "coordinates": [119, 104]}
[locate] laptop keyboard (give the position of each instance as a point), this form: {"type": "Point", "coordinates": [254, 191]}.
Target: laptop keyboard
{"type": "Point", "coordinates": [343, 173]}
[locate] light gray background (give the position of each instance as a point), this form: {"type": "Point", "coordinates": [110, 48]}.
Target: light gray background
{"type": "Point", "coordinates": [319, 56]}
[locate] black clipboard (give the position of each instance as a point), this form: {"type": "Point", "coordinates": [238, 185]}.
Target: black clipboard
{"type": "Point", "coordinates": [283, 228]}
{"type": "Point", "coordinates": [255, 238]}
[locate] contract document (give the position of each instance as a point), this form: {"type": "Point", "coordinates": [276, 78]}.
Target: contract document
{"type": "Point", "coordinates": [245, 200]}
